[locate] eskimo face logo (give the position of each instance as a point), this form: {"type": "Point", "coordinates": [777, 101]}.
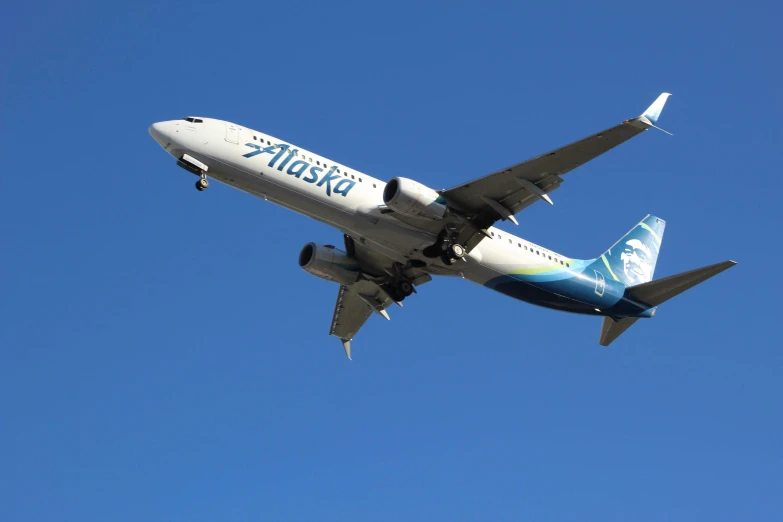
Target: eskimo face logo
{"type": "Point", "coordinates": [636, 262]}
{"type": "Point", "coordinates": [341, 185]}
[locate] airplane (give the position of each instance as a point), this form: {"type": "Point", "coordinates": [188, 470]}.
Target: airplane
{"type": "Point", "coordinates": [400, 233]}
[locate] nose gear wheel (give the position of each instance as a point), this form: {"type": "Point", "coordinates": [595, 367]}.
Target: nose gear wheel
{"type": "Point", "coordinates": [202, 183]}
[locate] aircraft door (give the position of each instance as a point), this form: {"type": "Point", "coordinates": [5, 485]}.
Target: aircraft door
{"type": "Point", "coordinates": [232, 133]}
{"type": "Point", "coordinates": [600, 283]}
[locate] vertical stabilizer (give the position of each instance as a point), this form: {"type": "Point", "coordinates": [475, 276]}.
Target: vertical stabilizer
{"type": "Point", "coordinates": [632, 259]}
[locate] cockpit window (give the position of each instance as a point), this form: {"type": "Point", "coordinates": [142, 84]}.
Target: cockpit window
{"type": "Point", "coordinates": [193, 120]}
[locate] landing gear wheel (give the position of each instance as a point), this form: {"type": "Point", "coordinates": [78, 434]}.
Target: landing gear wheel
{"type": "Point", "coordinates": [457, 250]}
{"type": "Point", "coordinates": [202, 183]}
{"type": "Point", "coordinates": [393, 292]}
{"type": "Point", "coordinates": [404, 288]}
{"type": "Point", "coordinates": [447, 259]}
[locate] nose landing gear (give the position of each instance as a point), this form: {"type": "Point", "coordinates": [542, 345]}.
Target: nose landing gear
{"type": "Point", "coordinates": [202, 183]}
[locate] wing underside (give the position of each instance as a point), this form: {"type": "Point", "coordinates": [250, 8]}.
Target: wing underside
{"type": "Point", "coordinates": [372, 293]}
{"type": "Point", "coordinates": [355, 304]}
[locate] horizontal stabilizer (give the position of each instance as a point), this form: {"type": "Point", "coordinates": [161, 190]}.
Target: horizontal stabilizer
{"type": "Point", "coordinates": [657, 292]}
{"type": "Point", "coordinates": [611, 329]}
{"type": "Point", "coordinates": [661, 290]}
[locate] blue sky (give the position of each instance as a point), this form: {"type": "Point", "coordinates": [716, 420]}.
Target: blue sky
{"type": "Point", "coordinates": [163, 357]}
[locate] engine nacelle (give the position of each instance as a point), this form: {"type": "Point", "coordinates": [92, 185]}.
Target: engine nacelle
{"type": "Point", "coordinates": [330, 263]}
{"type": "Point", "coordinates": [411, 198]}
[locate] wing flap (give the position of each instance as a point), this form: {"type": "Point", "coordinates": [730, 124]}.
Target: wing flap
{"type": "Point", "coordinates": [355, 304]}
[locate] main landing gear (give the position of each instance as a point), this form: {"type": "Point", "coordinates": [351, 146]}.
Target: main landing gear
{"type": "Point", "coordinates": [404, 288]}
{"type": "Point", "coordinates": [446, 247]}
{"type": "Point", "coordinates": [202, 183]}
{"type": "Point", "coordinates": [399, 287]}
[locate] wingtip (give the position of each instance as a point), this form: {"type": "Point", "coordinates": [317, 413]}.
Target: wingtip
{"type": "Point", "coordinates": [653, 112]}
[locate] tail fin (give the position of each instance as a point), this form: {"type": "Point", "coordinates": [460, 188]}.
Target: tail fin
{"type": "Point", "coordinates": [654, 293]}
{"type": "Point", "coordinates": [632, 259]}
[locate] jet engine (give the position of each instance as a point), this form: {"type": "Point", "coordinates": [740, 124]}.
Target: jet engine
{"type": "Point", "coordinates": [330, 263]}
{"type": "Point", "coordinates": [411, 198]}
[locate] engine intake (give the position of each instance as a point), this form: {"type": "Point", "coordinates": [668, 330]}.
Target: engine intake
{"type": "Point", "coordinates": [411, 198]}
{"type": "Point", "coordinates": [330, 263]}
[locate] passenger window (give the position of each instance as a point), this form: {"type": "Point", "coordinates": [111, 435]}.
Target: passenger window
{"type": "Point", "coordinates": [352, 177]}
{"type": "Point", "coordinates": [493, 234]}
{"type": "Point", "coordinates": [568, 264]}
{"type": "Point", "coordinates": [319, 163]}
{"type": "Point", "coordinates": [510, 242]}
{"type": "Point", "coordinates": [373, 185]}
{"type": "Point", "coordinates": [550, 258]}
{"type": "Point", "coordinates": [538, 253]}
{"type": "Point", "coordinates": [254, 138]}
{"type": "Point", "coordinates": [360, 179]}
{"type": "Point", "coordinates": [519, 245]}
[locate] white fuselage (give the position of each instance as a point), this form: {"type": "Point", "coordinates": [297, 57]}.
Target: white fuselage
{"type": "Point", "coordinates": [235, 155]}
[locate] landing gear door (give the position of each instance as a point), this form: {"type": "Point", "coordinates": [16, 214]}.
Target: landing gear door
{"type": "Point", "coordinates": [232, 133]}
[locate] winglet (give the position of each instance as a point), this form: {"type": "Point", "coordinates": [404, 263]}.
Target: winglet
{"type": "Point", "coordinates": [347, 348]}
{"type": "Point", "coordinates": [653, 112]}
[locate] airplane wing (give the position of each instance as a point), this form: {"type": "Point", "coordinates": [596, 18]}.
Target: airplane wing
{"type": "Point", "coordinates": [506, 192]}
{"type": "Point", "coordinates": [355, 304]}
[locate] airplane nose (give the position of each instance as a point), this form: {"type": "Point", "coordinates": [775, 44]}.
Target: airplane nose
{"type": "Point", "coordinates": [158, 134]}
